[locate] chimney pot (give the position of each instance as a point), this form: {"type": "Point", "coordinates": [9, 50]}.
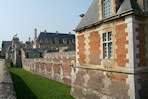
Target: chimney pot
{"type": "Point", "coordinates": [45, 31]}
{"type": "Point", "coordinates": [69, 33]}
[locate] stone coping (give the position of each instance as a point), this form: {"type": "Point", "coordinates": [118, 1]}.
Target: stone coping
{"type": "Point", "coordinates": [6, 84]}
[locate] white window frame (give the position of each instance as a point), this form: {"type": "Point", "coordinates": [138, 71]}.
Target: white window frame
{"type": "Point", "coordinates": [109, 54]}
{"type": "Point", "coordinates": [106, 8]}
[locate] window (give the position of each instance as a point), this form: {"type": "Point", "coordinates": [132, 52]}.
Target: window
{"type": "Point", "coordinates": [107, 45]}
{"type": "Point", "coordinates": [69, 41]}
{"type": "Point", "coordinates": [50, 41]}
{"type": "Point", "coordinates": [46, 41]}
{"type": "Point", "coordinates": [41, 41]}
{"type": "Point", "coordinates": [65, 40]}
{"type": "Point", "coordinates": [57, 40]}
{"type": "Point", "coordinates": [106, 8]}
{"type": "Point", "coordinates": [73, 41]}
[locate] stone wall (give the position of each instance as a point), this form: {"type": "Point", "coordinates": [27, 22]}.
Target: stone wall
{"type": "Point", "coordinates": [56, 66]}
{"type": "Point", "coordinates": [6, 84]}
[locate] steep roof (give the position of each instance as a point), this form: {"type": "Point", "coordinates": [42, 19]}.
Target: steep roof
{"type": "Point", "coordinates": [6, 44]}
{"type": "Point", "coordinates": [92, 14]}
{"type": "Point", "coordinates": [129, 5]}
{"type": "Point", "coordinates": [52, 36]}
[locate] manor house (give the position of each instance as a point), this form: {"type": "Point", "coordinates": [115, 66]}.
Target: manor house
{"type": "Point", "coordinates": [112, 51]}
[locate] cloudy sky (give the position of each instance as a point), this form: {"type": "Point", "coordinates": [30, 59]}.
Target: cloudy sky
{"type": "Point", "coordinates": [22, 16]}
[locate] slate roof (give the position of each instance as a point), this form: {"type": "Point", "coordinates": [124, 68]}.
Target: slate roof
{"type": "Point", "coordinates": [92, 14]}
{"type": "Point", "coordinates": [53, 36]}
{"type": "Point", "coordinates": [129, 5]}
{"type": "Point", "coordinates": [6, 44]}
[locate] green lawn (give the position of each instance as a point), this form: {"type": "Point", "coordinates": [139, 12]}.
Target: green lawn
{"type": "Point", "coordinates": [31, 86]}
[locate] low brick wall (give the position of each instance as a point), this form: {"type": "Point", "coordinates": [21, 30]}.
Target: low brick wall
{"type": "Point", "coordinates": [55, 66]}
{"type": "Point", "coordinates": [6, 84]}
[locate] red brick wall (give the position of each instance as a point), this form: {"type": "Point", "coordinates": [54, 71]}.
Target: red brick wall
{"type": "Point", "coordinates": [81, 47]}
{"type": "Point", "coordinates": [48, 66]}
{"type": "Point", "coordinates": [53, 67]}
{"type": "Point", "coordinates": [121, 41]}
{"type": "Point", "coordinates": [57, 68]}
{"type": "Point", "coordinates": [94, 48]}
{"type": "Point", "coordinates": [66, 70]}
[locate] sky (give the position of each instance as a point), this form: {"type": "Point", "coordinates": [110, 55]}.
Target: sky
{"type": "Point", "coordinates": [21, 17]}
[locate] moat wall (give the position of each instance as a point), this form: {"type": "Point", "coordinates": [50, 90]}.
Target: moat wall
{"type": "Point", "coordinates": [58, 66]}
{"type": "Point", "coordinates": [6, 85]}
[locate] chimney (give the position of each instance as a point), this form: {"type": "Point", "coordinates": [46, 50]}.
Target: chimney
{"type": "Point", "coordinates": [81, 15]}
{"type": "Point", "coordinates": [35, 34]}
{"type": "Point", "coordinates": [69, 33]}
{"type": "Point", "coordinates": [57, 32]}
{"type": "Point", "coordinates": [45, 31]}
{"type": "Point", "coordinates": [29, 39]}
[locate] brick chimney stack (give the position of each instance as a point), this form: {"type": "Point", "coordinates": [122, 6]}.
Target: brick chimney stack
{"type": "Point", "coordinates": [35, 35]}
{"type": "Point", "coordinates": [29, 39]}
{"type": "Point", "coordinates": [57, 32]}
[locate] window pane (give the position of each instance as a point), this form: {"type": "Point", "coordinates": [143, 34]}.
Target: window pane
{"type": "Point", "coordinates": [106, 8]}
{"type": "Point", "coordinates": [110, 50]}
{"type": "Point", "coordinates": [104, 37]}
{"type": "Point", "coordinates": [105, 50]}
{"type": "Point", "coordinates": [109, 36]}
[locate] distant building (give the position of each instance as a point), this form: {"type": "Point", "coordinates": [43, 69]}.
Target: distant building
{"type": "Point", "coordinates": [16, 52]}
{"type": "Point", "coordinates": [5, 47]}
{"type": "Point", "coordinates": [52, 41]}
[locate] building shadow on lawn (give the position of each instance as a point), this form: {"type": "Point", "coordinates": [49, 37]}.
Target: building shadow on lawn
{"type": "Point", "coordinates": [21, 89]}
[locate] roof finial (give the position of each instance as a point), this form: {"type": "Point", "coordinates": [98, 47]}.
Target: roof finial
{"type": "Point", "coordinates": [81, 15]}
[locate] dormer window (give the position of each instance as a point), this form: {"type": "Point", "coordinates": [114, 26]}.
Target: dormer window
{"type": "Point", "coordinates": [106, 8]}
{"type": "Point", "coordinates": [46, 41]}
{"type": "Point", "coordinates": [65, 41]}
{"type": "Point", "coordinates": [73, 41]}
{"type": "Point", "coordinates": [57, 40]}
{"type": "Point", "coordinates": [41, 41]}
{"type": "Point", "coordinates": [50, 41]}
{"type": "Point", "coordinates": [69, 41]}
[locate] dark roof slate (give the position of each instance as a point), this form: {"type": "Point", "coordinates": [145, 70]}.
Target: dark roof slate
{"type": "Point", "coordinates": [44, 35]}
{"type": "Point", "coordinates": [129, 5]}
{"type": "Point", "coordinates": [92, 14]}
{"type": "Point", "coordinates": [6, 44]}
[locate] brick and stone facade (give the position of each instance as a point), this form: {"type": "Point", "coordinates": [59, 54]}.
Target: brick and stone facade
{"type": "Point", "coordinates": [125, 75]}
